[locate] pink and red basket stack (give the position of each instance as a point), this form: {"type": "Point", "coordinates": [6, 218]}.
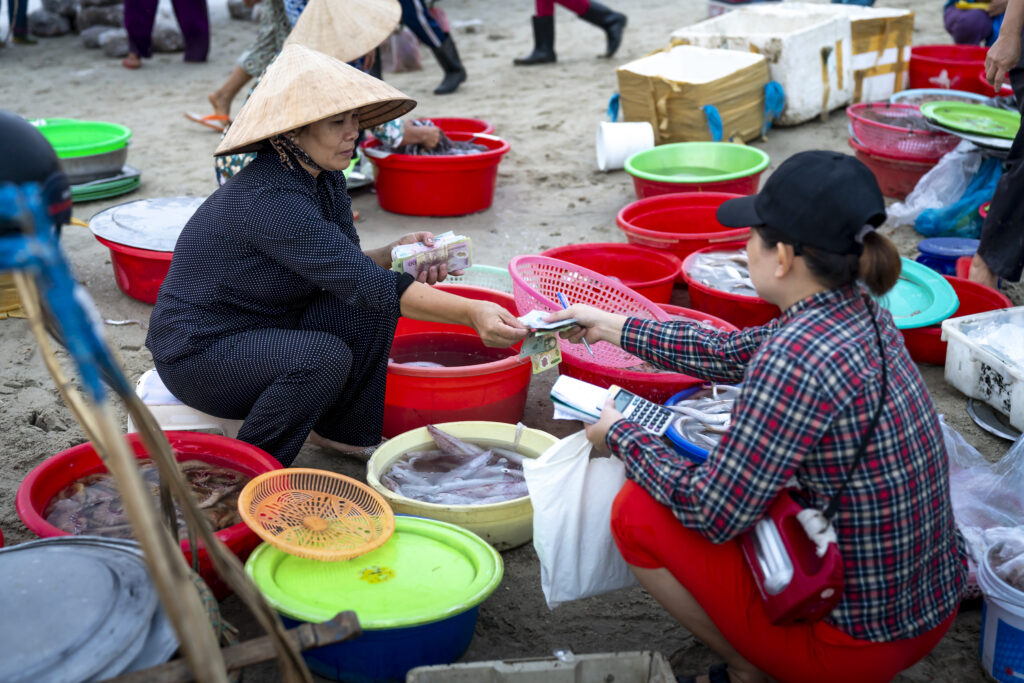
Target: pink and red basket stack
{"type": "Point", "coordinates": [893, 140]}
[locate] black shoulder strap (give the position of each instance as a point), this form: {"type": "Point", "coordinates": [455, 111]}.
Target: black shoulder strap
{"type": "Point", "coordinates": [833, 505]}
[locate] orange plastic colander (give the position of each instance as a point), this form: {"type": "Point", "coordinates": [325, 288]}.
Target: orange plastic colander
{"type": "Point", "coordinates": [316, 514]}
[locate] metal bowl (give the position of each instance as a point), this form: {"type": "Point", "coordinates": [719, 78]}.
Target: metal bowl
{"type": "Point", "coordinates": [94, 166]}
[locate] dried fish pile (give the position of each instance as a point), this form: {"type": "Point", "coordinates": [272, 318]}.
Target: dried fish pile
{"type": "Point", "coordinates": [706, 416]}
{"type": "Point", "coordinates": [723, 270]}
{"type": "Point", "coordinates": [459, 473]}
{"type": "Point", "coordinates": [92, 504]}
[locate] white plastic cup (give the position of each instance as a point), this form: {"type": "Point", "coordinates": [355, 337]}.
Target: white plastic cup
{"type": "Point", "coordinates": [616, 142]}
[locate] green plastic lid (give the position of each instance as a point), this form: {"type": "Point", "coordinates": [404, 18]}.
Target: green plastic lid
{"type": "Point", "coordinates": [973, 118]}
{"type": "Point", "coordinates": [71, 138]}
{"type": "Point", "coordinates": [427, 571]}
{"type": "Point", "coordinates": [920, 298]}
{"type": "Point", "coordinates": [697, 162]}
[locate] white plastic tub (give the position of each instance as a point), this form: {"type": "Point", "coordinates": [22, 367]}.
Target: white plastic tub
{"type": "Point", "coordinates": [981, 372]}
{"type": "Point", "coordinates": [1002, 625]}
{"type": "Point", "coordinates": [809, 54]}
{"type": "Point", "coordinates": [621, 667]}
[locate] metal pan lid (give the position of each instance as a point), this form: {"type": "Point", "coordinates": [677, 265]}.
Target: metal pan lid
{"type": "Point", "coordinates": [152, 224]}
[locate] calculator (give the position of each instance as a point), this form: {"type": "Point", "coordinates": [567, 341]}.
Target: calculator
{"type": "Point", "coordinates": [649, 415]}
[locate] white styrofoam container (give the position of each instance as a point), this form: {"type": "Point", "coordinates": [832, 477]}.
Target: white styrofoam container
{"type": "Point", "coordinates": [809, 54]}
{"type": "Point", "coordinates": [717, 7]}
{"type": "Point", "coordinates": [981, 373]}
{"type": "Point", "coordinates": [882, 38]}
{"type": "Point", "coordinates": [621, 667]}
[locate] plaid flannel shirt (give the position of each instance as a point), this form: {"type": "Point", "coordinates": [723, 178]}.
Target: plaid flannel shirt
{"type": "Point", "coordinates": [811, 384]}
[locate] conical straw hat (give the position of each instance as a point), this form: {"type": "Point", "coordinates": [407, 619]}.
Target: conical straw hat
{"type": "Point", "coordinates": [303, 86]}
{"type": "Point", "coordinates": [345, 29]}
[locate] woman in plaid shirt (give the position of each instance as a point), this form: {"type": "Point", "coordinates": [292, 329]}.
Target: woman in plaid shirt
{"type": "Point", "coordinates": [811, 386]}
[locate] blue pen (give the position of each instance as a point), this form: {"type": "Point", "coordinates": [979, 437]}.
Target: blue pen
{"type": "Point", "coordinates": [565, 304]}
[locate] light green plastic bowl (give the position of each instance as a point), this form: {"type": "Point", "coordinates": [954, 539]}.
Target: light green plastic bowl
{"type": "Point", "coordinates": [71, 138]}
{"type": "Point", "coordinates": [703, 162]}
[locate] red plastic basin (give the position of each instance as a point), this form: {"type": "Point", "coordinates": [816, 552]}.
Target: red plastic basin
{"type": "Point", "coordinates": [652, 188]}
{"type": "Point", "coordinates": [454, 124]}
{"type": "Point", "coordinates": [741, 311]}
{"type": "Point", "coordinates": [55, 473]}
{"type": "Point", "coordinates": [138, 272]}
{"type": "Point", "coordinates": [896, 176]}
{"type": "Point", "coordinates": [647, 272]}
{"type": "Point", "coordinates": [493, 389]}
{"type": "Point", "coordinates": [438, 185]}
{"type": "Point", "coordinates": [654, 386]}
{"type": "Point", "coordinates": [948, 66]}
{"type": "Point", "coordinates": [679, 223]}
{"type": "Point", "coordinates": [925, 343]}
{"type": "Point", "coordinates": [985, 89]}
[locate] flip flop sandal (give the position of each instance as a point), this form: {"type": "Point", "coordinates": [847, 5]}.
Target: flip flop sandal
{"type": "Point", "coordinates": [218, 122]}
{"type": "Point", "coordinates": [716, 674]}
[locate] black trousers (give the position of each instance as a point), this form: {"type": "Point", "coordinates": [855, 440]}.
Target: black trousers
{"type": "Point", "coordinates": [327, 375]}
{"type": "Point", "coordinates": [1002, 235]}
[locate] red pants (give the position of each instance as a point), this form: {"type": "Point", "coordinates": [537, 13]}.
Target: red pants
{"type": "Point", "coordinates": [545, 8]}
{"type": "Point", "coordinates": [650, 537]}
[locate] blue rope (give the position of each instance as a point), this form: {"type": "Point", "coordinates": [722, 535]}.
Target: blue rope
{"type": "Point", "coordinates": [714, 122]}
{"type": "Point", "coordinates": [35, 249]}
{"type": "Point", "coordinates": [613, 108]}
{"type": "Point", "coordinates": [774, 103]}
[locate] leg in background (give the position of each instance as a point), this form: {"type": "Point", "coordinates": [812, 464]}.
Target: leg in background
{"type": "Point", "coordinates": [194, 21]}
{"type": "Point", "coordinates": [967, 26]}
{"type": "Point", "coordinates": [139, 16]}
{"type": "Point", "coordinates": [222, 97]}
{"type": "Point", "coordinates": [418, 19]}
{"type": "Point", "coordinates": [611, 22]}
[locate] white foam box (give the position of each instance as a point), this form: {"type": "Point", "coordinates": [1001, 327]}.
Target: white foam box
{"type": "Point", "coordinates": [981, 372]}
{"type": "Point", "coordinates": [881, 41]}
{"type": "Point", "coordinates": [809, 54]}
{"type": "Point", "coordinates": [621, 667]}
{"type": "Point", "coordinates": [719, 7]}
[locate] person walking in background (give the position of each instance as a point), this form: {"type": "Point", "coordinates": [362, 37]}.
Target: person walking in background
{"type": "Point", "coordinates": [1001, 248]}
{"type": "Point", "coordinates": [193, 19]}
{"type": "Point", "coordinates": [611, 22]}
{"type": "Point", "coordinates": [418, 19]}
{"type": "Point", "coordinates": [17, 21]}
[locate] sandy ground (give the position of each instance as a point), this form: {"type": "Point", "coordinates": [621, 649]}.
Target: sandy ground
{"type": "Point", "coordinates": [549, 193]}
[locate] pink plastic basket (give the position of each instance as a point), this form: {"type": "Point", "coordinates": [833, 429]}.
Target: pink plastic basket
{"type": "Point", "coordinates": [869, 128]}
{"type": "Point", "coordinates": [537, 280]}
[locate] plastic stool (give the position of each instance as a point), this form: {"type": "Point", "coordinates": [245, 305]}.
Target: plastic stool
{"type": "Point", "coordinates": [170, 413]}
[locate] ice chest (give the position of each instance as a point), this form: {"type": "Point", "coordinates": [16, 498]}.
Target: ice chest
{"type": "Point", "coordinates": [809, 54]}
{"type": "Point", "coordinates": [671, 87]}
{"type": "Point", "coordinates": [881, 42]}
{"type": "Point", "coordinates": [621, 667]}
{"type": "Point", "coordinates": [981, 372]}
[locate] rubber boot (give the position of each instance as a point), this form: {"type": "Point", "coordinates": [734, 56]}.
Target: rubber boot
{"type": "Point", "coordinates": [612, 22]}
{"type": "Point", "coordinates": [454, 73]}
{"type": "Point", "coordinates": [543, 43]}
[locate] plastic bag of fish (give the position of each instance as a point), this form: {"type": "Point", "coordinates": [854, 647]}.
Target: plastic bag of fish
{"type": "Point", "coordinates": [458, 473]}
{"type": "Point", "coordinates": [727, 271]}
{"type": "Point", "coordinates": [706, 416]}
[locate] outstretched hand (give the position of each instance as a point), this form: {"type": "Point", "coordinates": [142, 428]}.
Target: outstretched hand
{"type": "Point", "coordinates": [1002, 56]}
{"type": "Point", "coordinates": [495, 325]}
{"type": "Point", "coordinates": [591, 323]}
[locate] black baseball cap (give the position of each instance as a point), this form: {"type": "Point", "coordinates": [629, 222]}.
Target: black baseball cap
{"type": "Point", "coordinates": [819, 199]}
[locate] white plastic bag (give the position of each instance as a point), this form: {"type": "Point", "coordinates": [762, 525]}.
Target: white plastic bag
{"type": "Point", "coordinates": [939, 187]}
{"type": "Point", "coordinates": [572, 504]}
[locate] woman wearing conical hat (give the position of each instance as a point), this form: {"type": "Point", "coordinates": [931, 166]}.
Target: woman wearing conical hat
{"type": "Point", "coordinates": [273, 312]}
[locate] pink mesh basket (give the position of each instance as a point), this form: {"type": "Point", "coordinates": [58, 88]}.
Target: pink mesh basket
{"type": "Point", "coordinates": [897, 130]}
{"type": "Point", "coordinates": [536, 281]}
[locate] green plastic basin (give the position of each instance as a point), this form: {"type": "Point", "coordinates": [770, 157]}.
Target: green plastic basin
{"type": "Point", "coordinates": [427, 571]}
{"type": "Point", "coordinates": [71, 138]}
{"type": "Point", "coordinates": [697, 162]}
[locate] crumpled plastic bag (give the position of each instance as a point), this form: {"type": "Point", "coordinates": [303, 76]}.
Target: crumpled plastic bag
{"type": "Point", "coordinates": [401, 52]}
{"type": "Point", "coordinates": [949, 178]}
{"type": "Point", "coordinates": [961, 218]}
{"type": "Point", "coordinates": [986, 495]}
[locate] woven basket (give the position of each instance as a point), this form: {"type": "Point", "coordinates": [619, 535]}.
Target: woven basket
{"type": "Point", "coordinates": [537, 281]}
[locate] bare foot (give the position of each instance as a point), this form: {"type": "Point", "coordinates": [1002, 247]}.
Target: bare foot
{"type": "Point", "coordinates": [132, 61]}
{"type": "Point", "coordinates": [981, 273]}
{"type": "Point", "coordinates": [361, 452]}
{"type": "Point", "coordinates": [221, 105]}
